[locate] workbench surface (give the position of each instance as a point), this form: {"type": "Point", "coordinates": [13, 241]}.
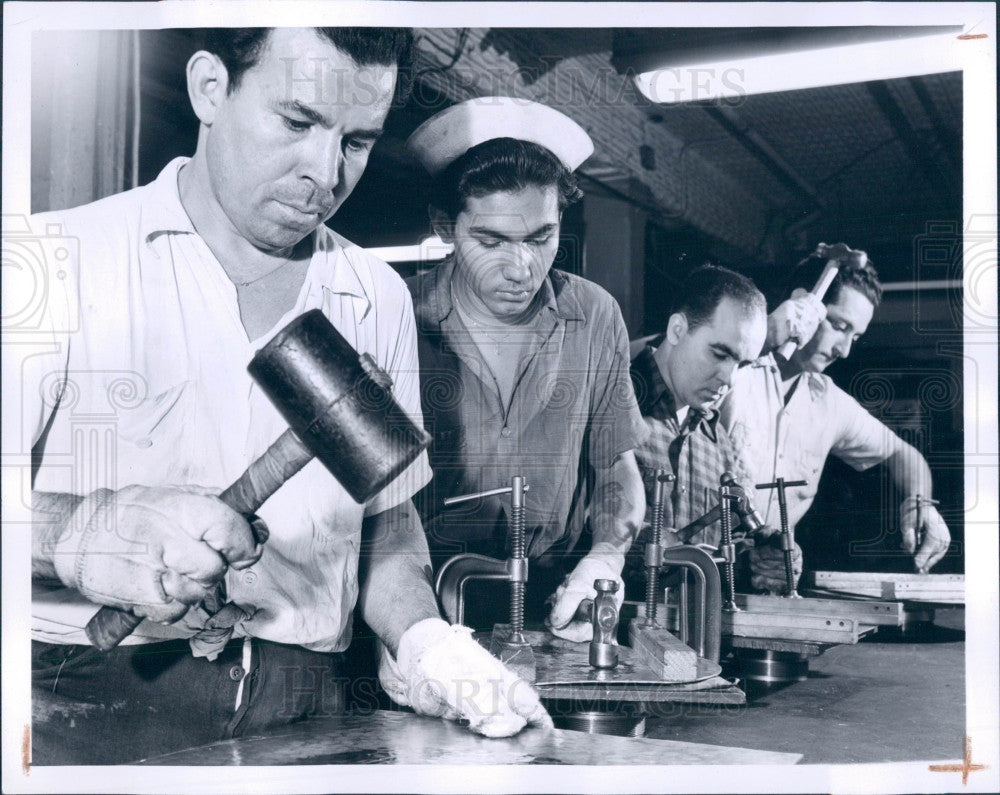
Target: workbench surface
{"type": "Point", "coordinates": [388, 738]}
{"type": "Point", "coordinates": [882, 700]}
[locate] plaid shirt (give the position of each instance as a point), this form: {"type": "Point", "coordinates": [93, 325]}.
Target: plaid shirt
{"type": "Point", "coordinates": [697, 454]}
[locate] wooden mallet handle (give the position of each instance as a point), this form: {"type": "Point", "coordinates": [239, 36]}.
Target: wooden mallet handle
{"type": "Point", "coordinates": [111, 625]}
{"type": "Point", "coordinates": [819, 290]}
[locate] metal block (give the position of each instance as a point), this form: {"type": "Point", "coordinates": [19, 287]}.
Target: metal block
{"type": "Point", "coordinates": [883, 614]}
{"type": "Point", "coordinates": [787, 626]}
{"type": "Point", "coordinates": [802, 648]}
{"type": "Point", "coordinates": [938, 592]}
{"type": "Point", "coordinates": [938, 588]}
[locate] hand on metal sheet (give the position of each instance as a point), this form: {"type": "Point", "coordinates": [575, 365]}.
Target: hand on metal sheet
{"type": "Point", "coordinates": [578, 586]}
{"type": "Point", "coordinates": [767, 566]}
{"type": "Point", "coordinates": [932, 530]}
{"type": "Point", "coordinates": [795, 319]}
{"type": "Point", "coordinates": [154, 551]}
{"type": "Point", "coordinates": [441, 671]}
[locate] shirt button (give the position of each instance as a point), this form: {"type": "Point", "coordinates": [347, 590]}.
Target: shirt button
{"type": "Point", "coordinates": [505, 432]}
{"type": "Point", "coordinates": [249, 577]}
{"type": "Point", "coordinates": [144, 443]}
{"type": "Point", "coordinates": [236, 673]}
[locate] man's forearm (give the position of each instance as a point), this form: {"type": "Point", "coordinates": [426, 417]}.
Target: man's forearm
{"type": "Point", "coordinates": [910, 472]}
{"type": "Point", "coordinates": [619, 505]}
{"type": "Point", "coordinates": [396, 578]}
{"type": "Point", "coordinates": [50, 516]}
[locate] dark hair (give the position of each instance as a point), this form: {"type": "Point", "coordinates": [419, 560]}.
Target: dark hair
{"type": "Point", "coordinates": [240, 49]}
{"type": "Point", "coordinates": [502, 164]}
{"type": "Point", "coordinates": [705, 287]}
{"type": "Point", "coordinates": [852, 273]}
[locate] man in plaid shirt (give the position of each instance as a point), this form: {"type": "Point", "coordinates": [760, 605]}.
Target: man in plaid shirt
{"type": "Point", "coordinates": [719, 322]}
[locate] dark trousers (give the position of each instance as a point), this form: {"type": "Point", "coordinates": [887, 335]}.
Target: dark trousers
{"type": "Point", "coordinates": [91, 707]}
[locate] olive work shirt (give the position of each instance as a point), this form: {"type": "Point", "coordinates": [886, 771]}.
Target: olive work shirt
{"type": "Point", "coordinates": [572, 412]}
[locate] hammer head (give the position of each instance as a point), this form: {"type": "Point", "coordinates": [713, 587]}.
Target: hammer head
{"type": "Point", "coordinates": [339, 404]}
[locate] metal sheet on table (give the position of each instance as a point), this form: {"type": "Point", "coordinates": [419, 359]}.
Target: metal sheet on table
{"type": "Point", "coordinates": [396, 738]}
{"type": "Point", "coordinates": [564, 672]}
{"type": "Point", "coordinates": [563, 662]}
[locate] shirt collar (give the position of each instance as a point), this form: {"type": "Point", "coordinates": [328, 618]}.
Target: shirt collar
{"type": "Point", "coordinates": [336, 272]}
{"type": "Point", "coordinates": [816, 384]}
{"type": "Point", "coordinates": [558, 292]}
{"type": "Point", "coordinates": [765, 362]}
{"type": "Point", "coordinates": [657, 391]}
{"type": "Point", "coordinates": [163, 211]}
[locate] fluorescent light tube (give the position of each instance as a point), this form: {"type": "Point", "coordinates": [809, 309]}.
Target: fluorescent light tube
{"type": "Point", "coordinates": [827, 66]}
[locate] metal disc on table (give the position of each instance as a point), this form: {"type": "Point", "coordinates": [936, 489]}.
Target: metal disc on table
{"type": "Point", "coordinates": [767, 667]}
{"type": "Point", "coordinates": [592, 718]}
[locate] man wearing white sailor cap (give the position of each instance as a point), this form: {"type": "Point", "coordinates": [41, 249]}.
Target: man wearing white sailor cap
{"type": "Point", "coordinates": [524, 369]}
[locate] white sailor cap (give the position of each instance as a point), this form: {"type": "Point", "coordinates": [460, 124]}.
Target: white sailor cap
{"type": "Point", "coordinates": [448, 135]}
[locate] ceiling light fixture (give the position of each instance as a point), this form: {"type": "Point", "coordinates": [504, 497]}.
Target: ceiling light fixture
{"type": "Point", "coordinates": [732, 78]}
{"type": "Point", "coordinates": [430, 249]}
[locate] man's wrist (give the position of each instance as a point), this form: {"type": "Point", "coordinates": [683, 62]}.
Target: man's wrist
{"type": "Point", "coordinates": [608, 554]}
{"type": "Point", "coordinates": [51, 515]}
{"type": "Point", "coordinates": [421, 636]}
{"type": "Point", "coordinates": [913, 501]}
{"type": "Point", "coordinates": [92, 516]}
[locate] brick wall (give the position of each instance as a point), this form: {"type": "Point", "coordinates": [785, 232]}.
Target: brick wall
{"type": "Point", "coordinates": [587, 88]}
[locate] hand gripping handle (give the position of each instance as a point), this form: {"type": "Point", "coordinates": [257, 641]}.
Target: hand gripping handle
{"type": "Point", "coordinates": [819, 290]}
{"type": "Point", "coordinates": [111, 625]}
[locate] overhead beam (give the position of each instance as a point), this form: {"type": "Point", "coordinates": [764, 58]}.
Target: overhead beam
{"type": "Point", "coordinates": [950, 142]}
{"type": "Point", "coordinates": [761, 149]}
{"type": "Point", "coordinates": [917, 150]}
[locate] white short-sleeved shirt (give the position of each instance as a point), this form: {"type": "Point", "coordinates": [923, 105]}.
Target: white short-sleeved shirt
{"type": "Point", "coordinates": [148, 361]}
{"type": "Point", "coordinates": [793, 441]}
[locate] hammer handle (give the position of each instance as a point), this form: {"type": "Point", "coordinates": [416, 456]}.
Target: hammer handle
{"type": "Point", "coordinates": [111, 625]}
{"type": "Point", "coordinates": [819, 290]}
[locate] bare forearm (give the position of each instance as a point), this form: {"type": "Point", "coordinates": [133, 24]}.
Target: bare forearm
{"type": "Point", "coordinates": [395, 575]}
{"type": "Point", "coordinates": [910, 472]}
{"type": "Point", "coordinates": [619, 505]}
{"type": "Point", "coordinates": [50, 516]}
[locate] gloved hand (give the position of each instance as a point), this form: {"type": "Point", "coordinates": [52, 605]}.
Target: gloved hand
{"type": "Point", "coordinates": [797, 319]}
{"type": "Point", "coordinates": [934, 530]}
{"type": "Point", "coordinates": [579, 585]}
{"type": "Point", "coordinates": [152, 550]}
{"type": "Point", "coordinates": [767, 565]}
{"type": "Point", "coordinates": [441, 671]}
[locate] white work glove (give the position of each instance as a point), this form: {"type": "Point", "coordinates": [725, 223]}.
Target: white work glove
{"type": "Point", "coordinates": [152, 550]}
{"type": "Point", "coordinates": [934, 530]}
{"type": "Point", "coordinates": [767, 567]}
{"type": "Point", "coordinates": [578, 586]}
{"type": "Point", "coordinates": [441, 671]}
{"type": "Point", "coordinates": [795, 319]}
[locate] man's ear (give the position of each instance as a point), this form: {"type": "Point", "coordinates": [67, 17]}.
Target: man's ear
{"type": "Point", "coordinates": [442, 224]}
{"type": "Point", "coordinates": [207, 83]}
{"type": "Point", "coordinates": [677, 327]}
